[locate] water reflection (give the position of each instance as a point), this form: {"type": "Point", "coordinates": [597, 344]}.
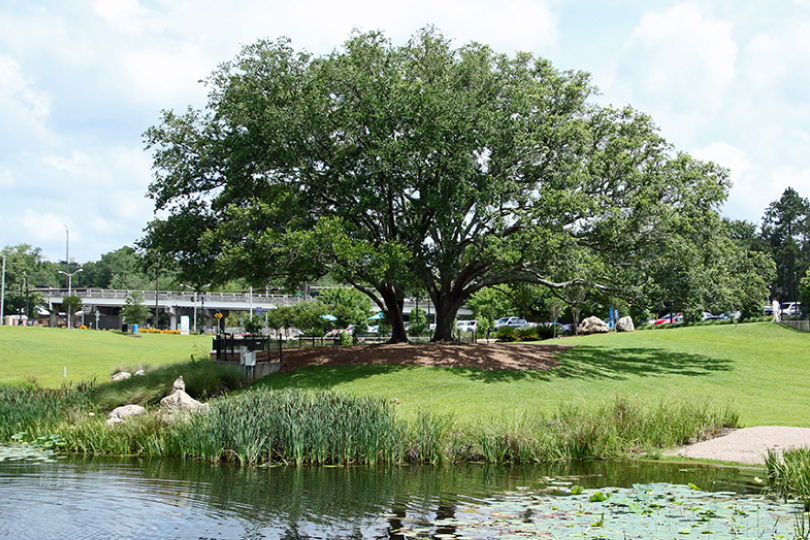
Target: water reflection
{"type": "Point", "coordinates": [102, 498]}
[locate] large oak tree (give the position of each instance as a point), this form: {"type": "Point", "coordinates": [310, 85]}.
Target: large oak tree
{"type": "Point", "coordinates": [416, 167]}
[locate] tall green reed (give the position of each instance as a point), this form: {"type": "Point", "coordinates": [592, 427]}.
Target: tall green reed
{"type": "Point", "coordinates": [789, 474]}
{"type": "Point", "coordinates": [37, 411]}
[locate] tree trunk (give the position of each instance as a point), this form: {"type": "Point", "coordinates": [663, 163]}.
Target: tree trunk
{"type": "Point", "coordinates": [393, 313]}
{"type": "Point", "coordinates": [444, 326]}
{"type": "Point", "coordinates": [447, 306]}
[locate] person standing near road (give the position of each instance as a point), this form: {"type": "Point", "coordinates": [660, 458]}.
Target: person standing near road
{"type": "Point", "coordinates": [775, 310]}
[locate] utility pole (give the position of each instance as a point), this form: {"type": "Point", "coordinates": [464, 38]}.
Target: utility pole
{"type": "Point", "coordinates": [67, 255]}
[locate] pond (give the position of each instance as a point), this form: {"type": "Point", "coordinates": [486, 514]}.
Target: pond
{"type": "Point", "coordinates": [82, 498]}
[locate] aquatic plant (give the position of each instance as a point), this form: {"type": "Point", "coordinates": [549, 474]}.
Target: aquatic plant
{"type": "Point", "coordinates": [292, 427]}
{"type": "Point", "coordinates": [789, 474]}
{"type": "Point", "coordinates": [36, 411]}
{"type": "Point", "coordinates": [580, 431]}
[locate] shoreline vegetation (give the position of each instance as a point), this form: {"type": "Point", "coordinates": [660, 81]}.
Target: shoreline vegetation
{"type": "Point", "coordinates": [261, 426]}
{"type": "Point", "coordinates": [608, 397]}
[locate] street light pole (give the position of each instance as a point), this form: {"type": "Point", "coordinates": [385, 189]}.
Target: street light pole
{"type": "Point", "coordinates": [69, 316]}
{"type": "Point", "coordinates": [67, 253]}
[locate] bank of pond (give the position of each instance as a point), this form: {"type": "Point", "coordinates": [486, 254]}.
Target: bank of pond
{"type": "Point", "coordinates": [259, 428]}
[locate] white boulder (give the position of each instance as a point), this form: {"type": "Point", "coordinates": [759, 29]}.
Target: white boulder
{"type": "Point", "coordinates": [119, 414]}
{"type": "Point", "coordinates": [593, 325]}
{"type": "Point", "coordinates": [179, 385]}
{"type": "Point", "coordinates": [120, 376]}
{"type": "Point", "coordinates": [625, 324]}
{"type": "Point", "coordinates": [178, 401]}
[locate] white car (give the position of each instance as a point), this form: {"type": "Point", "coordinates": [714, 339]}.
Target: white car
{"type": "Point", "coordinates": [467, 326]}
{"type": "Point", "coordinates": [791, 308]}
{"type": "Point", "coordinates": [514, 322]}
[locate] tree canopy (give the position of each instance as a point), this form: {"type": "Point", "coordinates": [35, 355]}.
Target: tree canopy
{"type": "Point", "coordinates": [418, 167]}
{"type": "Point", "coordinates": [786, 230]}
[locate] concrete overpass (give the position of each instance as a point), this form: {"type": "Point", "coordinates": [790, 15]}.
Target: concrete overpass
{"type": "Point", "coordinates": [101, 307]}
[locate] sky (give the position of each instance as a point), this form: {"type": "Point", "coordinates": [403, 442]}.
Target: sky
{"type": "Point", "coordinates": [82, 80]}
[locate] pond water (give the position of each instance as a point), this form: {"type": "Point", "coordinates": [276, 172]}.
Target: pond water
{"type": "Point", "coordinates": [77, 498]}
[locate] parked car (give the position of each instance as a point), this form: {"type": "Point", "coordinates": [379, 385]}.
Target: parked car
{"type": "Point", "coordinates": [709, 317]}
{"type": "Point", "coordinates": [514, 322]}
{"type": "Point", "coordinates": [731, 315]}
{"type": "Point", "coordinates": [791, 309]}
{"type": "Point", "coordinates": [670, 318]}
{"type": "Point", "coordinates": [467, 326]}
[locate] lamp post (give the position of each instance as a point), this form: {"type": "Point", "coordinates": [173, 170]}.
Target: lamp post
{"type": "Point", "coordinates": [69, 275]}
{"type": "Point", "coordinates": [67, 253]}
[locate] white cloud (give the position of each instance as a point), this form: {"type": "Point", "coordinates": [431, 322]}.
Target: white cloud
{"type": "Point", "coordinates": [678, 65]}
{"type": "Point", "coordinates": [35, 228]}
{"type": "Point", "coordinates": [127, 15]}
{"type": "Point", "coordinates": [6, 179]}
{"type": "Point", "coordinates": [745, 197]}
{"type": "Point", "coordinates": [16, 91]}
{"type": "Point", "coordinates": [160, 74]}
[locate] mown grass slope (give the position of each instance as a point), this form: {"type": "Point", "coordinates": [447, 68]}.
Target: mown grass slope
{"type": "Point", "coordinates": [46, 354]}
{"type": "Point", "coordinates": [762, 370]}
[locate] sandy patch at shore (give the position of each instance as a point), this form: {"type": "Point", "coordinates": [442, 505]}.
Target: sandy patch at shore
{"type": "Point", "coordinates": [747, 445]}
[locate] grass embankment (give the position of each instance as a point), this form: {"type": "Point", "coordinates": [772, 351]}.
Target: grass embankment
{"type": "Point", "coordinates": [267, 426]}
{"type": "Point", "coordinates": [761, 370]}
{"type": "Point", "coordinates": [44, 355]}
{"type": "Point", "coordinates": [609, 395]}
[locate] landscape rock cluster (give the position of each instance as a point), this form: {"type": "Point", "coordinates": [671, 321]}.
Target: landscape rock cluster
{"type": "Point", "coordinates": [178, 401]}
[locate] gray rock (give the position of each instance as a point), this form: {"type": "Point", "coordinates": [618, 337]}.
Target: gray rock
{"type": "Point", "coordinates": [120, 414]}
{"type": "Point", "coordinates": [140, 373]}
{"type": "Point", "coordinates": [120, 376]}
{"type": "Point", "coordinates": [625, 324]}
{"type": "Point", "coordinates": [179, 385]}
{"type": "Point", "coordinates": [593, 325]}
{"type": "Point", "coordinates": [180, 402]}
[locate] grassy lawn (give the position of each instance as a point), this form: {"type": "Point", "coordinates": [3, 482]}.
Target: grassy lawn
{"type": "Point", "coordinates": [45, 353]}
{"type": "Point", "coordinates": [760, 369]}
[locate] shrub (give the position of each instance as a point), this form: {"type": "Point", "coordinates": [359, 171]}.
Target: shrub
{"type": "Point", "coordinates": [546, 331]}
{"type": "Point", "coordinates": [506, 333]}
{"type": "Point", "coordinates": [527, 334]}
